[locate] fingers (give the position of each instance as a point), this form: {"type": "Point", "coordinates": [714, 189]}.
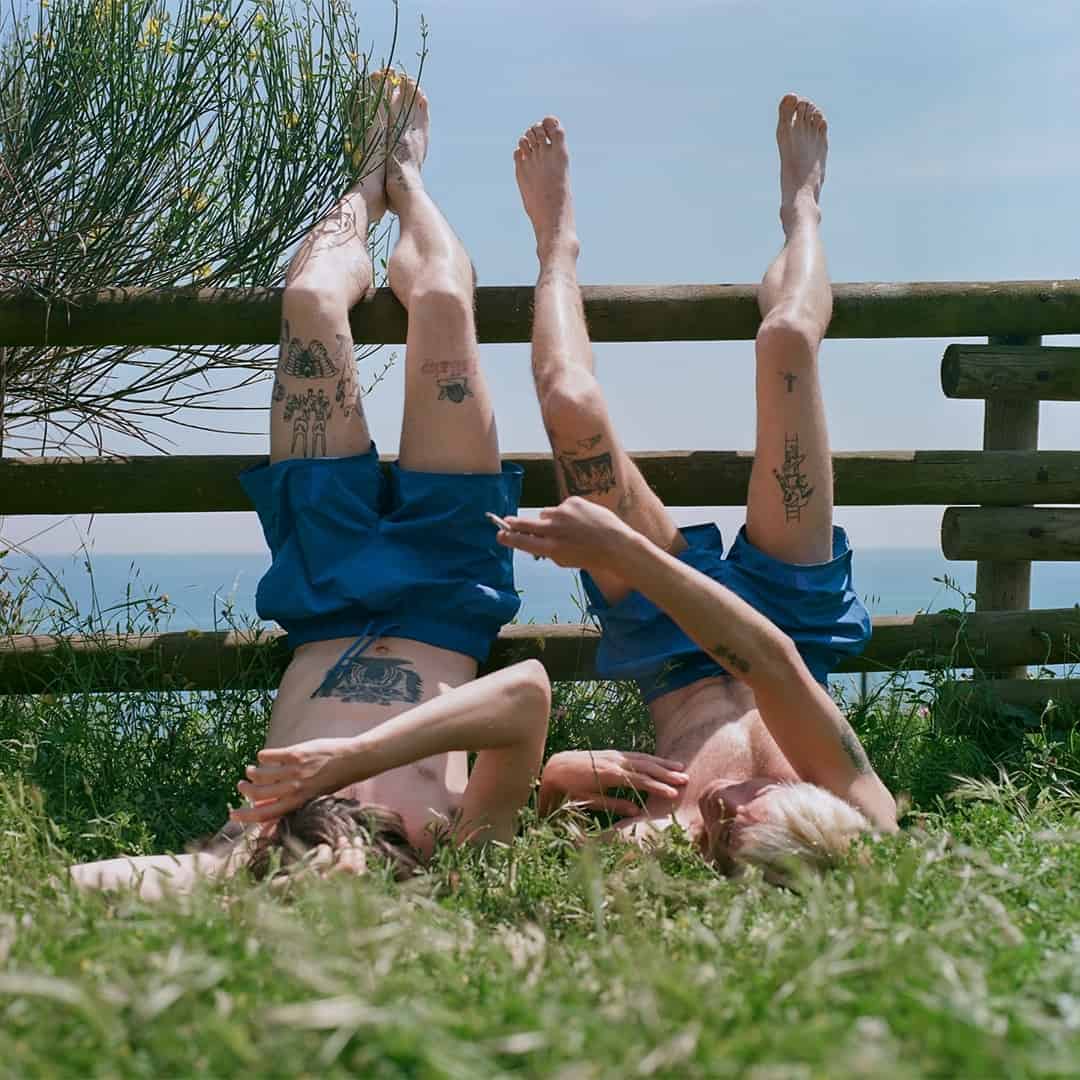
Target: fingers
{"type": "Point", "coordinates": [265, 811]}
{"type": "Point", "coordinates": [257, 793]}
{"type": "Point", "coordinates": [671, 772]}
{"type": "Point", "coordinates": [620, 807]}
{"type": "Point", "coordinates": [539, 546]}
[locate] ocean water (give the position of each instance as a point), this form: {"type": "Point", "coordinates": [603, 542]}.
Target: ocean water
{"type": "Point", "coordinates": [203, 589]}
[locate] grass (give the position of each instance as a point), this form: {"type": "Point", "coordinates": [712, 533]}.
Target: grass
{"type": "Point", "coordinates": [952, 949]}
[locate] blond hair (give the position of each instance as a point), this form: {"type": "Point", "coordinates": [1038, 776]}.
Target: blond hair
{"type": "Point", "coordinates": [808, 826]}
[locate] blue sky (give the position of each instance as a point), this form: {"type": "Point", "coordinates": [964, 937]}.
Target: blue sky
{"type": "Point", "coordinates": [954, 155]}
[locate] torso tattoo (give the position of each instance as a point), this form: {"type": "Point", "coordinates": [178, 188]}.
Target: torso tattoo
{"type": "Point", "coordinates": [373, 680]}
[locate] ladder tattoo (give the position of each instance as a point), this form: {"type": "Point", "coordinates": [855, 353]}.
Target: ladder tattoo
{"type": "Point", "coordinates": [794, 486]}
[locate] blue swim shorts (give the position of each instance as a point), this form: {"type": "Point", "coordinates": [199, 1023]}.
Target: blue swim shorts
{"type": "Point", "coordinates": [816, 606]}
{"type": "Point", "coordinates": [411, 554]}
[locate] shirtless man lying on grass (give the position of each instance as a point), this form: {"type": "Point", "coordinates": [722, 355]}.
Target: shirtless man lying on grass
{"type": "Point", "coordinates": [731, 654]}
{"type": "Point", "coordinates": [392, 589]}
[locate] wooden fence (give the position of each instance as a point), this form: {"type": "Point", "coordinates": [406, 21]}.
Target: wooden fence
{"type": "Point", "coordinates": [999, 523]}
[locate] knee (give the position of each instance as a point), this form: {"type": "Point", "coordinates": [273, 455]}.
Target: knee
{"type": "Point", "coordinates": [790, 335]}
{"type": "Point", "coordinates": [313, 294]}
{"type": "Point", "coordinates": [531, 691]}
{"type": "Point", "coordinates": [569, 396]}
{"type": "Point", "coordinates": [443, 286]}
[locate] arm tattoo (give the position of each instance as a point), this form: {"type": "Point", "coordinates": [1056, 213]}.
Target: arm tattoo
{"type": "Point", "coordinates": [794, 486]}
{"type": "Point", "coordinates": [588, 444]}
{"type": "Point", "coordinates": [372, 681]}
{"type": "Point", "coordinates": [790, 379]}
{"type": "Point", "coordinates": [309, 413]}
{"type": "Point", "coordinates": [730, 659]}
{"type": "Point", "coordinates": [853, 748]}
{"type": "Point", "coordinates": [311, 361]}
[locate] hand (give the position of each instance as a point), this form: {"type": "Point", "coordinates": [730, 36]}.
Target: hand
{"type": "Point", "coordinates": [289, 776]}
{"type": "Point", "coordinates": [584, 777]}
{"type": "Point", "coordinates": [576, 533]}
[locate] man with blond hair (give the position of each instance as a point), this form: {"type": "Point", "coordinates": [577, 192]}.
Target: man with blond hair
{"type": "Point", "coordinates": [731, 653]}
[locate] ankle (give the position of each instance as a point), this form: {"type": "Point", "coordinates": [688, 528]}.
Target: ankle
{"type": "Point", "coordinates": [558, 251]}
{"type": "Point", "coordinates": [801, 209]}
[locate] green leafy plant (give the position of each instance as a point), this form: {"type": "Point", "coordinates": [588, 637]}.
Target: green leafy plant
{"type": "Point", "coordinates": [146, 145]}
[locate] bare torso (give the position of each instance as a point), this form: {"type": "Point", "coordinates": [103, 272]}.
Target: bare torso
{"type": "Point", "coordinates": [714, 729]}
{"type": "Point", "coordinates": [423, 793]}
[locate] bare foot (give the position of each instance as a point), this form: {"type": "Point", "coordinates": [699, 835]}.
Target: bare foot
{"type": "Point", "coordinates": [365, 144]}
{"type": "Point", "coordinates": [409, 124]}
{"type": "Point", "coordinates": [802, 135]}
{"type": "Point", "coordinates": [542, 166]}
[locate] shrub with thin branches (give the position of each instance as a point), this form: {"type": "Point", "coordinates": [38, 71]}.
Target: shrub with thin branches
{"type": "Point", "coordinates": [182, 145]}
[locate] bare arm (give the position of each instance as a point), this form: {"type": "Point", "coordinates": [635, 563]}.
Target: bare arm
{"type": "Point", "coordinates": [502, 716]}
{"type": "Point", "coordinates": [810, 730]}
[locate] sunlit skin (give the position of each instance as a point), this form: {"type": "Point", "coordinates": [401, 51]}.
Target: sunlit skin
{"type": "Point", "coordinates": [736, 737]}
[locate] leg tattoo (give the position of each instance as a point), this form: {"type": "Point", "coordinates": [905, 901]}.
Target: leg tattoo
{"type": "Point", "coordinates": [588, 476]}
{"type": "Point", "coordinates": [311, 361]}
{"type": "Point", "coordinates": [790, 379]}
{"type": "Point", "coordinates": [794, 486]}
{"type": "Point", "coordinates": [309, 413]}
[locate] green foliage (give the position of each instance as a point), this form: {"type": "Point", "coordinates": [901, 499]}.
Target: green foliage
{"type": "Point", "coordinates": [952, 949]}
{"type": "Point", "coordinates": [157, 145]}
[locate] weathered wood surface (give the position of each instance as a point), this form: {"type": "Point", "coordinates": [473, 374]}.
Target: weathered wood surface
{"type": "Point", "coordinates": [1026, 693]}
{"type": "Point", "coordinates": [1020, 532]}
{"type": "Point", "coordinates": [201, 483]}
{"type": "Point", "coordinates": [196, 660]}
{"type": "Point", "coordinates": [1034, 372]}
{"type": "Point", "coordinates": [504, 313]}
{"type": "Point", "coordinates": [1008, 424]}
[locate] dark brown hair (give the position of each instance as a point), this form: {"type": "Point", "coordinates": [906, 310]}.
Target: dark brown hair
{"type": "Point", "coordinates": [329, 820]}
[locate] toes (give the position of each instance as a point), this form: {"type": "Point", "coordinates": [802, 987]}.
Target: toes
{"type": "Point", "coordinates": [801, 110]}
{"type": "Point", "coordinates": [787, 107]}
{"type": "Point", "coordinates": [537, 135]}
{"type": "Point", "coordinates": [524, 146]}
{"type": "Point", "coordinates": [553, 129]}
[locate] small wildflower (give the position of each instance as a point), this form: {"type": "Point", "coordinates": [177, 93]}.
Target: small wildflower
{"type": "Point", "coordinates": [203, 271]}
{"type": "Point", "coordinates": [291, 119]}
{"type": "Point", "coordinates": [168, 47]}
{"type": "Point", "coordinates": [44, 3]}
{"type": "Point", "coordinates": [253, 54]}
{"type": "Point", "coordinates": [153, 27]}
{"type": "Point", "coordinates": [260, 21]}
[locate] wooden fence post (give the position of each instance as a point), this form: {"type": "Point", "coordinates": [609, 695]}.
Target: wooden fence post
{"type": "Point", "coordinates": [1009, 424]}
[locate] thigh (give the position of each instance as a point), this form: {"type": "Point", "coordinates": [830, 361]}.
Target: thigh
{"type": "Point", "coordinates": [315, 409]}
{"type": "Point", "coordinates": [790, 501]}
{"type": "Point", "coordinates": [449, 420]}
{"type": "Point", "coordinates": [591, 463]}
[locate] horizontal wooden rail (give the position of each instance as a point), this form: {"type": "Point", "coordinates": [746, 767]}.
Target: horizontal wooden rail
{"type": "Point", "coordinates": [200, 483]}
{"type": "Point", "coordinates": [163, 317]}
{"type": "Point", "coordinates": [197, 660]}
{"type": "Point", "coordinates": [1026, 693]}
{"type": "Point", "coordinates": [1032, 372]}
{"type": "Point", "coordinates": [1011, 532]}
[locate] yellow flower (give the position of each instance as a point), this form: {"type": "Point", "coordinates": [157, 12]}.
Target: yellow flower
{"type": "Point", "coordinates": [291, 119]}
{"type": "Point", "coordinates": [260, 21]}
{"type": "Point", "coordinates": [215, 19]}
{"type": "Point", "coordinates": [169, 47]}
{"type": "Point", "coordinates": [253, 54]}
{"type": "Point", "coordinates": [153, 27]}
{"type": "Point", "coordinates": [203, 271]}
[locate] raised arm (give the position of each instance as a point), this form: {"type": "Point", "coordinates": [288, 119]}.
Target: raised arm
{"type": "Point", "coordinates": [801, 716]}
{"type": "Point", "coordinates": [503, 717]}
